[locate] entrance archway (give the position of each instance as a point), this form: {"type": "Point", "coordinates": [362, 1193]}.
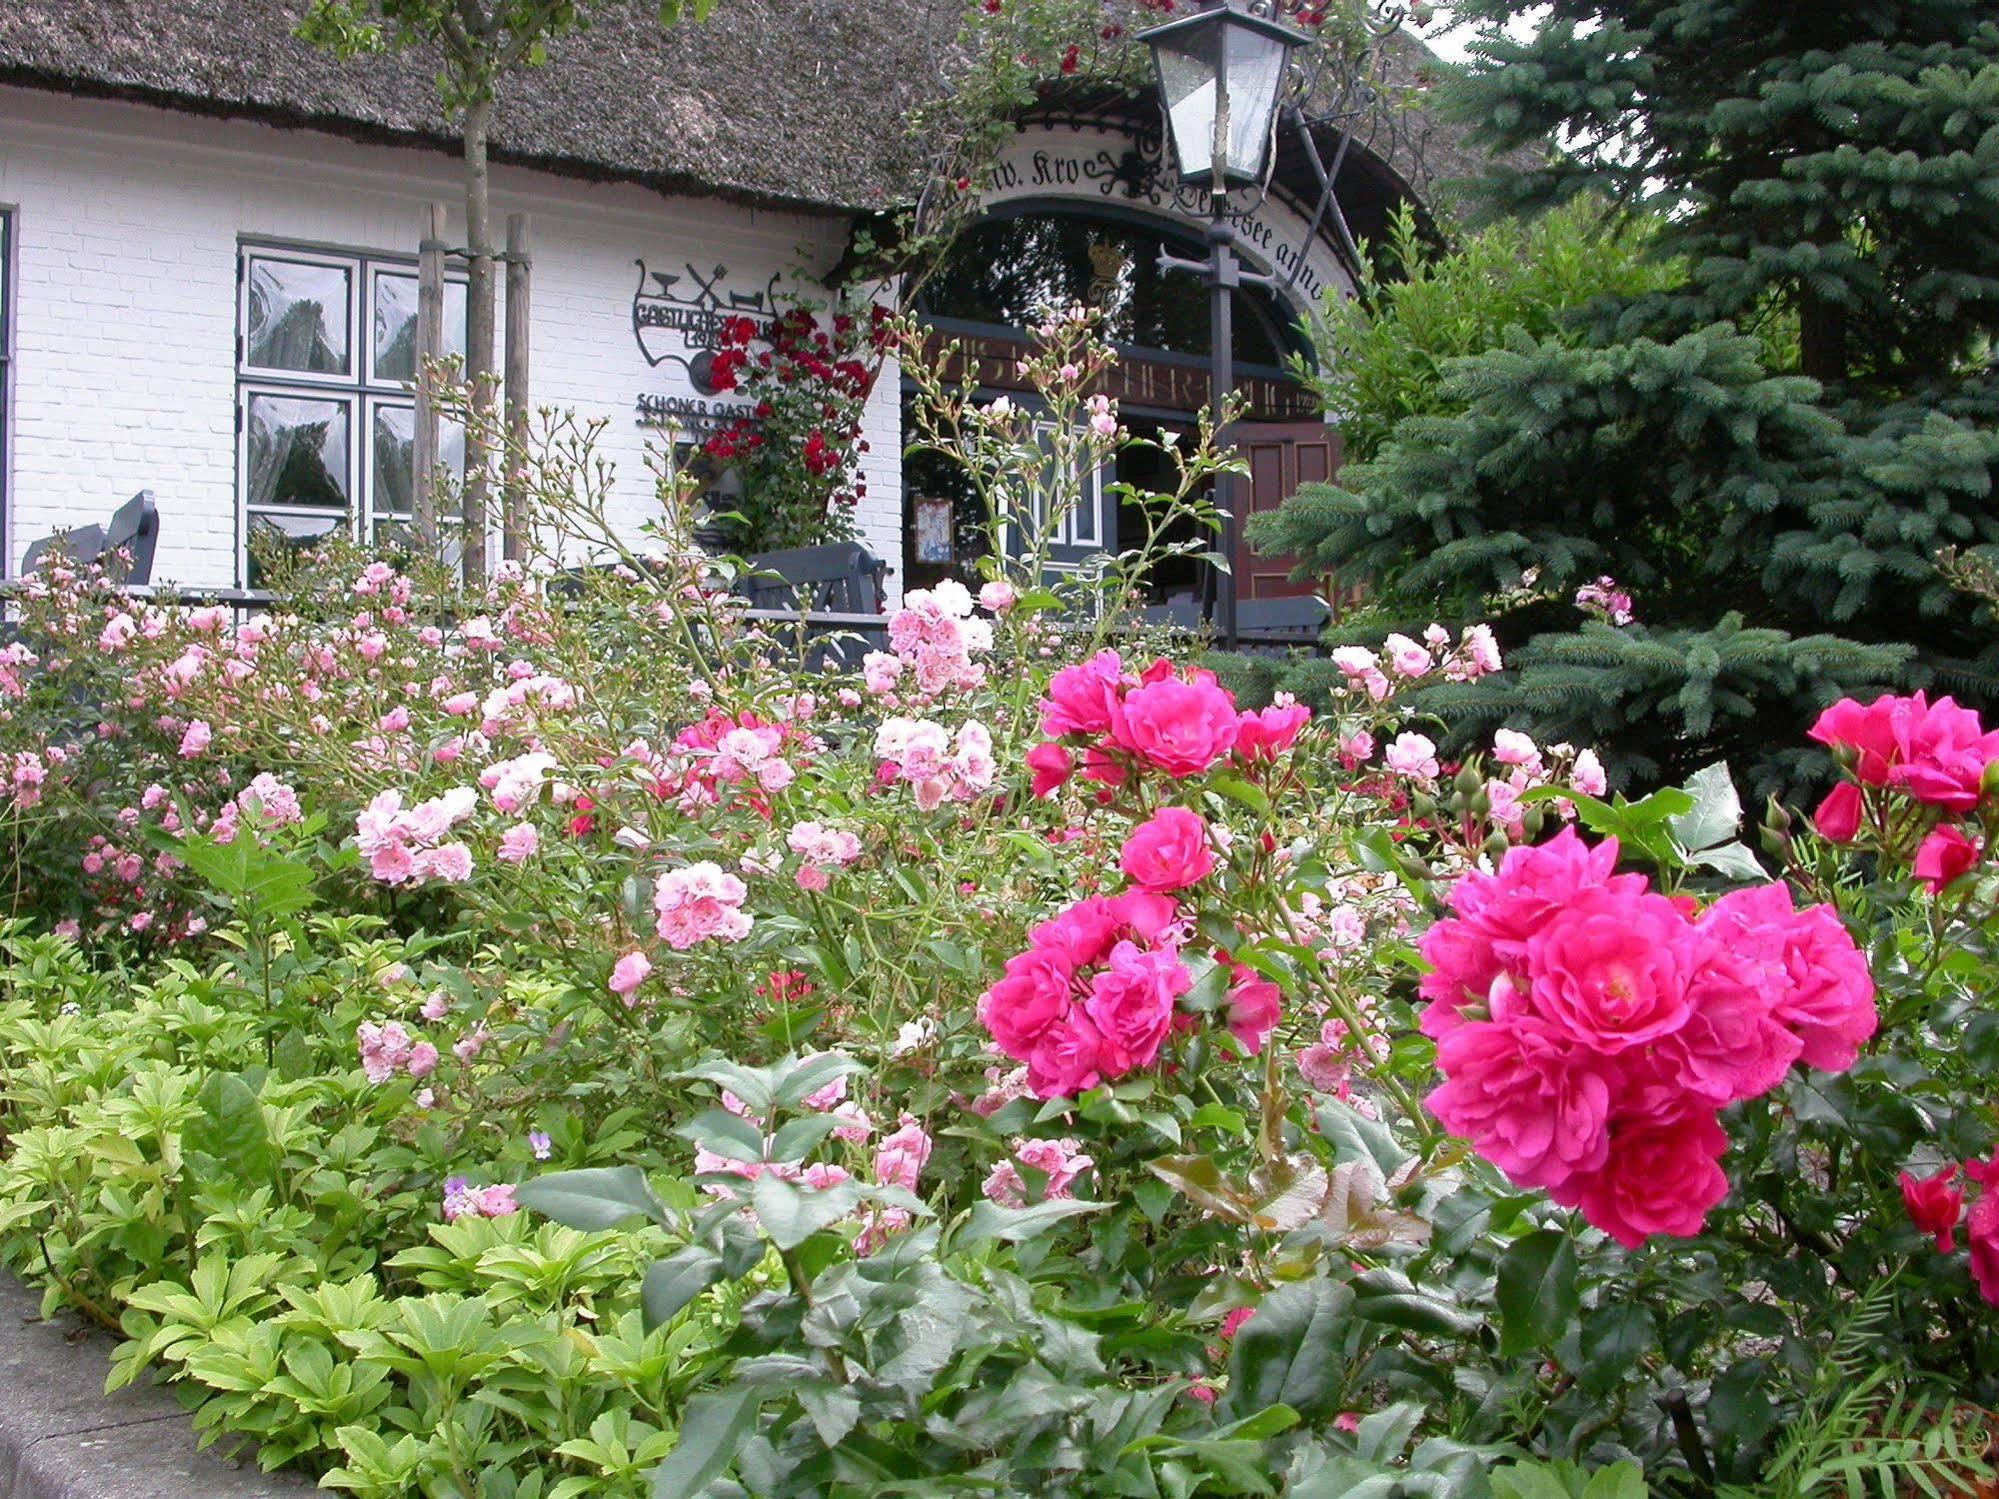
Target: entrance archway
{"type": "Point", "coordinates": [1037, 253]}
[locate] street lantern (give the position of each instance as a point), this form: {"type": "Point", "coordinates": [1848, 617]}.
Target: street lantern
{"type": "Point", "coordinates": [1220, 73]}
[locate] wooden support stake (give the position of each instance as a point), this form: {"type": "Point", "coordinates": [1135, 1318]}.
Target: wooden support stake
{"type": "Point", "coordinates": [429, 348]}
{"type": "Point", "coordinates": [514, 501]}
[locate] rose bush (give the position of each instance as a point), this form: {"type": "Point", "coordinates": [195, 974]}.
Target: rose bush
{"type": "Point", "coordinates": [1008, 1063]}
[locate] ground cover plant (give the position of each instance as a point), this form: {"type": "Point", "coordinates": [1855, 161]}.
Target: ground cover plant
{"type": "Point", "coordinates": [543, 1042]}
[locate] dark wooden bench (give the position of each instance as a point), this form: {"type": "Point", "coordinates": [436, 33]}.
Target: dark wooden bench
{"type": "Point", "coordinates": [824, 601]}
{"type": "Point", "coordinates": [1262, 625]}
{"type": "Point", "coordinates": [842, 577]}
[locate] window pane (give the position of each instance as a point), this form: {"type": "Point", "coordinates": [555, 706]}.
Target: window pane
{"type": "Point", "coordinates": [270, 535]}
{"type": "Point", "coordinates": [297, 452]}
{"type": "Point", "coordinates": [298, 317]}
{"type": "Point", "coordinates": [394, 439]}
{"type": "Point", "coordinates": [395, 325]}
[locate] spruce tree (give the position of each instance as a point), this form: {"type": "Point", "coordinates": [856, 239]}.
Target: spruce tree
{"type": "Point", "coordinates": [1771, 451]}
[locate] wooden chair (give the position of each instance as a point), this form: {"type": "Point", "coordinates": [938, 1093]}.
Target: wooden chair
{"type": "Point", "coordinates": [134, 527]}
{"type": "Point", "coordinates": [81, 544]}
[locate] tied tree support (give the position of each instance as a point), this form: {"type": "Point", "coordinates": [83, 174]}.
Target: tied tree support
{"type": "Point", "coordinates": [479, 43]}
{"type": "Point", "coordinates": [431, 250]}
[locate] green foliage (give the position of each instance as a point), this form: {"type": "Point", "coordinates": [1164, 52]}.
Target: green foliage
{"type": "Point", "coordinates": [267, 1238]}
{"type": "Point", "coordinates": [1772, 441]}
{"type": "Point", "coordinates": [1381, 357]}
{"type": "Point", "coordinates": [1662, 700]}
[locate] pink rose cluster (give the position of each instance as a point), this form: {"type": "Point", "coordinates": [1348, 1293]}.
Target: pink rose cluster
{"type": "Point", "coordinates": [1059, 1163]}
{"type": "Point", "coordinates": [1589, 1028]}
{"type": "Point", "coordinates": [1528, 766]}
{"type": "Point", "coordinates": [1605, 600]}
{"type": "Point", "coordinates": [937, 766]}
{"type": "Point", "coordinates": [1096, 994]}
{"type": "Point", "coordinates": [516, 784]}
{"type": "Point", "coordinates": [1402, 659]}
{"type": "Point", "coordinates": [934, 637]}
{"type": "Point", "coordinates": [267, 803]}
{"type": "Point", "coordinates": [1114, 724]}
{"type": "Point", "coordinates": [25, 778]}
{"type": "Point", "coordinates": [697, 902]}
{"type": "Point", "coordinates": [740, 751]}
{"type": "Point", "coordinates": [406, 846]}
{"type": "Point", "coordinates": [388, 1050]}
{"type": "Point", "coordinates": [898, 1163]}
{"type": "Point", "coordinates": [1093, 996]}
{"type": "Point", "coordinates": [1937, 753]}
{"type": "Point", "coordinates": [822, 850]}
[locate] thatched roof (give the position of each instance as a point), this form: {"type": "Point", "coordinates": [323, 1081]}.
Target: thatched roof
{"type": "Point", "coordinates": [791, 102]}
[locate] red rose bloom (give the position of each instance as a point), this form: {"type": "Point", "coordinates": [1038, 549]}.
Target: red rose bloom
{"type": "Point", "coordinates": [1933, 1204]}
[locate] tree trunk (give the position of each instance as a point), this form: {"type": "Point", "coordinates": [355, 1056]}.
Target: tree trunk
{"type": "Point", "coordinates": [481, 373]}
{"type": "Point", "coordinates": [1821, 339]}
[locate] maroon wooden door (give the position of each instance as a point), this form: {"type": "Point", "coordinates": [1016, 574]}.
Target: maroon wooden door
{"type": "Point", "coordinates": [1282, 456]}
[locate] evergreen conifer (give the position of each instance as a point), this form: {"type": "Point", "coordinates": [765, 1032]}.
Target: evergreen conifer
{"type": "Point", "coordinates": [1770, 451]}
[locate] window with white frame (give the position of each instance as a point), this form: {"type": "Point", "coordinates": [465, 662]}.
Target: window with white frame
{"type": "Point", "coordinates": [325, 353]}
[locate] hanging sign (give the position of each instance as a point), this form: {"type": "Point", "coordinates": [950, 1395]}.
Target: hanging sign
{"type": "Point", "coordinates": [1119, 170]}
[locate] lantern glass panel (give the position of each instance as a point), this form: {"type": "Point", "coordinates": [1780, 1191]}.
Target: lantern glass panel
{"type": "Point", "coordinates": [1189, 67]}
{"type": "Point", "coordinates": [1254, 71]}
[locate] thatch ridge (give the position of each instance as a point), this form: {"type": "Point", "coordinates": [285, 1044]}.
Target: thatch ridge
{"type": "Point", "coordinates": [797, 104]}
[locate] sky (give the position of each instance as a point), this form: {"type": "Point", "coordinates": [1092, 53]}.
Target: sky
{"type": "Point", "coordinates": [1450, 43]}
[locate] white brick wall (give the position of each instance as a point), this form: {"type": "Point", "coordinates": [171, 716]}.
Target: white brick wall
{"type": "Point", "coordinates": [126, 223]}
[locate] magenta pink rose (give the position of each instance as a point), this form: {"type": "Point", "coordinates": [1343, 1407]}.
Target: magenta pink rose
{"type": "Point", "coordinates": [1019, 1008]}
{"type": "Point", "coordinates": [1495, 914]}
{"type": "Point", "coordinates": [1937, 752]}
{"type": "Point", "coordinates": [1052, 766]}
{"type": "Point", "coordinates": [1946, 855]}
{"type": "Point", "coordinates": [1179, 727]}
{"type": "Point", "coordinates": [1981, 1227]}
{"type": "Point", "coordinates": [1868, 734]}
{"type": "Point", "coordinates": [1080, 697]}
{"type": "Point", "coordinates": [1733, 1046]}
{"type": "Point", "coordinates": [1131, 1005]}
{"type": "Point", "coordinates": [1609, 969]}
{"type": "Point", "coordinates": [1838, 816]}
{"type": "Point", "coordinates": [1255, 1003]}
{"type": "Point", "coordinates": [1067, 1059]}
{"type": "Point", "coordinates": [1262, 736]}
{"type": "Point", "coordinates": [1815, 977]}
{"type": "Point", "coordinates": [1531, 1102]}
{"type": "Point", "coordinates": [1169, 851]}
{"type": "Point", "coordinates": [1662, 1177]}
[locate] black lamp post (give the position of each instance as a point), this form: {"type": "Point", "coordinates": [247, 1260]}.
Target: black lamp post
{"type": "Point", "coordinates": [1221, 73]}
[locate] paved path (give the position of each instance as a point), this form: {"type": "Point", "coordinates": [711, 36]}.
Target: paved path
{"type": "Point", "coordinates": [62, 1437]}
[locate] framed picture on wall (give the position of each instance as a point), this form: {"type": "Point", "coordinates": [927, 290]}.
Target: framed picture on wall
{"type": "Point", "coordinates": [934, 530]}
